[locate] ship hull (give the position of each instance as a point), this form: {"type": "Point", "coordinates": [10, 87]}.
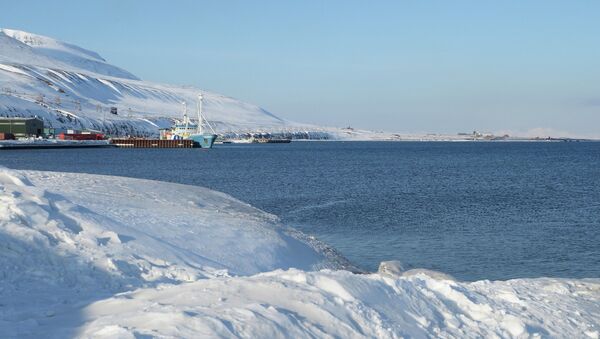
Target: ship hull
{"type": "Point", "coordinates": [204, 140]}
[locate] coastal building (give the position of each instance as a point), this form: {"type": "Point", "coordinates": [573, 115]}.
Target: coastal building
{"type": "Point", "coordinates": [22, 127]}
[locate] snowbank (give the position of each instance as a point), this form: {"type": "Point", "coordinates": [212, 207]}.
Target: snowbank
{"type": "Point", "coordinates": [297, 304]}
{"type": "Point", "coordinates": [99, 256]}
{"type": "Point", "coordinates": [67, 239]}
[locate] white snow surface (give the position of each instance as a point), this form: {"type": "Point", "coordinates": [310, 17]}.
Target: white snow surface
{"type": "Point", "coordinates": [52, 53]}
{"type": "Point", "coordinates": [99, 256]}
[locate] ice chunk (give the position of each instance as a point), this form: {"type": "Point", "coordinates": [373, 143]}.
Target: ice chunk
{"type": "Point", "coordinates": [392, 268]}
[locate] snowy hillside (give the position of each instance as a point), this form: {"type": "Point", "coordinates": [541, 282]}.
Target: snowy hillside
{"type": "Point", "coordinates": [53, 53]}
{"type": "Point", "coordinates": [69, 86]}
{"type": "Point", "coordinates": [98, 256]}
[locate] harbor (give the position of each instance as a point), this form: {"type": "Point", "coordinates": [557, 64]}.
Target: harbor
{"type": "Point", "coordinates": [30, 133]}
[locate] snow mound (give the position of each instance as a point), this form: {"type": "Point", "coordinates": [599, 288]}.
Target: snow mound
{"type": "Point", "coordinates": [70, 238]}
{"type": "Point", "coordinates": [99, 256]}
{"type": "Point", "coordinates": [339, 304]}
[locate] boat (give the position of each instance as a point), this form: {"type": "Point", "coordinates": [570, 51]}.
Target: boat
{"type": "Point", "coordinates": [241, 141]}
{"type": "Point", "coordinates": [204, 139]}
{"type": "Point", "coordinates": [280, 141]}
{"type": "Point", "coordinates": [187, 129]}
{"type": "Point", "coordinates": [272, 140]}
{"type": "Point", "coordinates": [183, 128]}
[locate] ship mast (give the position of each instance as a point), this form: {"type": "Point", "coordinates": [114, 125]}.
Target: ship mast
{"type": "Point", "coordinates": [185, 116]}
{"type": "Point", "coordinates": [199, 108]}
{"type": "Point", "coordinates": [201, 119]}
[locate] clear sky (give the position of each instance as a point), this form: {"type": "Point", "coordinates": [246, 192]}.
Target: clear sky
{"type": "Point", "coordinates": [407, 66]}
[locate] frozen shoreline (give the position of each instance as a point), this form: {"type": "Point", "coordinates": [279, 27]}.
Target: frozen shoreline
{"type": "Point", "coordinates": [90, 255]}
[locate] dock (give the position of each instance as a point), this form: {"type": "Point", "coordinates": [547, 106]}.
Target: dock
{"type": "Point", "coordinates": [152, 143]}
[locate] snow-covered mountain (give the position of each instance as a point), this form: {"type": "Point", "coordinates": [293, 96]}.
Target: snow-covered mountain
{"type": "Point", "coordinates": [71, 87]}
{"type": "Point", "coordinates": [52, 53]}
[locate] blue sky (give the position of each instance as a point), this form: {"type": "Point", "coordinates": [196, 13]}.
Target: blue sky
{"type": "Point", "coordinates": [408, 66]}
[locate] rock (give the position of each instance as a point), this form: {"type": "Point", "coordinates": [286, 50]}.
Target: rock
{"type": "Point", "coordinates": [392, 268]}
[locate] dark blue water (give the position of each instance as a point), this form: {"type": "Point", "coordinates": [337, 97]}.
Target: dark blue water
{"type": "Point", "coordinates": [474, 210]}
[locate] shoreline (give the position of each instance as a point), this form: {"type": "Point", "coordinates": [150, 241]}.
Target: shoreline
{"type": "Point", "coordinates": [54, 144]}
{"type": "Point", "coordinates": [118, 256]}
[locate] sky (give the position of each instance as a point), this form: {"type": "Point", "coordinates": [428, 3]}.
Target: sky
{"type": "Point", "coordinates": [405, 66]}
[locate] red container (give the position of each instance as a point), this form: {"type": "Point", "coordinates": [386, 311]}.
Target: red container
{"type": "Point", "coordinates": [7, 136]}
{"type": "Point", "coordinates": [81, 136]}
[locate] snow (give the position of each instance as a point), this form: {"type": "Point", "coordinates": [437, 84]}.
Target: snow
{"type": "Point", "coordinates": [70, 56]}
{"type": "Point", "coordinates": [99, 256]}
{"type": "Point", "coordinates": [299, 304]}
{"type": "Point", "coordinates": [80, 83]}
{"type": "Point", "coordinates": [79, 87]}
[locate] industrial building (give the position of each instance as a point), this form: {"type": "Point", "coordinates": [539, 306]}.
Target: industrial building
{"type": "Point", "coordinates": [22, 127]}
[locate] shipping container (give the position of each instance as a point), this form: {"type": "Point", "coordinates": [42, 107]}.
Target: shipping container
{"type": "Point", "coordinates": [7, 136]}
{"type": "Point", "coordinates": [81, 136]}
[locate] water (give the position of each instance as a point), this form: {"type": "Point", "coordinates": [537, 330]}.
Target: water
{"type": "Point", "coordinates": [474, 210]}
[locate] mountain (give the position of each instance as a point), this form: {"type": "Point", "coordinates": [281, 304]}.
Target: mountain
{"type": "Point", "coordinates": [70, 87]}
{"type": "Point", "coordinates": [62, 55]}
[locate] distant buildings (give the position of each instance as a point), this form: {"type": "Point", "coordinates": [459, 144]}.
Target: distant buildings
{"type": "Point", "coordinates": [22, 127]}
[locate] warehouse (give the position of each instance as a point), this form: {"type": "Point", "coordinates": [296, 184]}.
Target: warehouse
{"type": "Point", "coordinates": [22, 127]}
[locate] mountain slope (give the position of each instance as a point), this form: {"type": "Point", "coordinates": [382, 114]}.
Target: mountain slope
{"type": "Point", "coordinates": [71, 87]}
{"type": "Point", "coordinates": [67, 54]}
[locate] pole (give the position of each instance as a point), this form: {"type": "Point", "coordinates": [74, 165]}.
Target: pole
{"type": "Point", "coordinates": [185, 116]}
{"type": "Point", "coordinates": [199, 108]}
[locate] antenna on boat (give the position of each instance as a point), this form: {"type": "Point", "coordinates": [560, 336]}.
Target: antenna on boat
{"type": "Point", "coordinates": [199, 109]}
{"type": "Point", "coordinates": [185, 116]}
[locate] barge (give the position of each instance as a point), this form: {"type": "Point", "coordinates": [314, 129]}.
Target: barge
{"type": "Point", "coordinates": [153, 143]}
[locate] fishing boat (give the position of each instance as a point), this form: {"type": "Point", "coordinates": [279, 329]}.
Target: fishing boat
{"type": "Point", "coordinates": [204, 139]}
{"type": "Point", "coordinates": [187, 129]}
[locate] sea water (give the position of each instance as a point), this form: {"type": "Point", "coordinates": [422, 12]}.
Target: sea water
{"type": "Point", "coordinates": [475, 210]}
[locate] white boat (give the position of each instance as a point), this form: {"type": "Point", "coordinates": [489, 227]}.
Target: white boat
{"type": "Point", "coordinates": [242, 141]}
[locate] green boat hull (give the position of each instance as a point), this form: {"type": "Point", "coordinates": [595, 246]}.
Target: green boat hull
{"type": "Point", "coordinates": [204, 140]}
